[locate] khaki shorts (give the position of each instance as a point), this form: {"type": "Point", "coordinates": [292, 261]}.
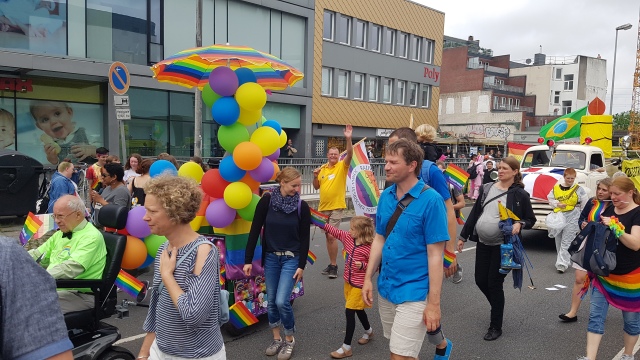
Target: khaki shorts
{"type": "Point", "coordinates": [403, 326]}
{"type": "Point", "coordinates": [335, 217]}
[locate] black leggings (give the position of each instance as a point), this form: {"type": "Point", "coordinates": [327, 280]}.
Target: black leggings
{"type": "Point", "coordinates": [351, 323]}
{"type": "Point", "coordinates": [490, 280]}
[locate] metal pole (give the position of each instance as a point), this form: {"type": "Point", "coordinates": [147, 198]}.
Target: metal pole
{"type": "Point", "coordinates": [197, 128]}
{"type": "Point", "coordinates": [613, 77]}
{"type": "Point", "coordinates": [123, 142]}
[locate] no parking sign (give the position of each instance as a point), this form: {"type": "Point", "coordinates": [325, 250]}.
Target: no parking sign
{"type": "Point", "coordinates": [119, 78]}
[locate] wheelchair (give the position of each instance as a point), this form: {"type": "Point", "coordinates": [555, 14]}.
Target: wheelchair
{"type": "Point", "coordinates": [91, 338]}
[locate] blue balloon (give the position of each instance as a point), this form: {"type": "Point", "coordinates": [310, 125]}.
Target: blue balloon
{"type": "Point", "coordinates": [229, 171]}
{"type": "Point", "coordinates": [147, 262]}
{"type": "Point", "coordinates": [225, 111]}
{"type": "Point", "coordinates": [162, 167]}
{"type": "Point", "coordinates": [273, 124]}
{"type": "Point", "coordinates": [245, 75]}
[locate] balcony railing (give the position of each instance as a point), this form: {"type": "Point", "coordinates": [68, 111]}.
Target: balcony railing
{"type": "Point", "coordinates": [506, 107]}
{"type": "Point", "coordinates": [508, 88]}
{"type": "Point", "coordinates": [489, 68]}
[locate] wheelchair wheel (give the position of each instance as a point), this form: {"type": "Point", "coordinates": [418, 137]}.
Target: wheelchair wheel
{"type": "Point", "coordinates": [116, 353]}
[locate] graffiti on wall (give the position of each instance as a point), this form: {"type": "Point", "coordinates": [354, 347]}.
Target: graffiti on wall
{"type": "Point", "coordinates": [486, 131]}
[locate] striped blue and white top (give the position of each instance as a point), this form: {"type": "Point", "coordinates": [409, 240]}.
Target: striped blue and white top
{"type": "Point", "coordinates": [191, 330]}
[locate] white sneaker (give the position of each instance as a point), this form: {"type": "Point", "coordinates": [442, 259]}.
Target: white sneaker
{"type": "Point", "coordinates": [627, 357]}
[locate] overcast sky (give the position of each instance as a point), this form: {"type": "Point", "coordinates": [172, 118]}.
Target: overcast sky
{"type": "Point", "coordinates": [562, 27]}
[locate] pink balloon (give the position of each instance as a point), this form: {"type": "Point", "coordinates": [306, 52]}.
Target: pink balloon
{"type": "Point", "coordinates": [219, 215]}
{"type": "Point", "coordinates": [223, 81]}
{"type": "Point", "coordinates": [136, 226]}
{"type": "Point", "coordinates": [274, 156]}
{"type": "Point", "coordinates": [264, 171]}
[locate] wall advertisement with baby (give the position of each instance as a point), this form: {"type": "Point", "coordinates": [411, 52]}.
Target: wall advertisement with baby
{"type": "Point", "coordinates": [51, 131]}
{"type": "Point", "coordinates": [35, 25]}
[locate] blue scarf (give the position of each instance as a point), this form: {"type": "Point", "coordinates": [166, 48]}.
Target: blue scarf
{"type": "Point", "coordinates": [286, 204]}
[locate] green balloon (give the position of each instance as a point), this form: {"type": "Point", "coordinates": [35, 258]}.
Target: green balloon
{"type": "Point", "coordinates": [230, 136]}
{"type": "Point", "coordinates": [247, 212]}
{"type": "Point", "coordinates": [153, 243]}
{"type": "Point", "coordinates": [209, 96]}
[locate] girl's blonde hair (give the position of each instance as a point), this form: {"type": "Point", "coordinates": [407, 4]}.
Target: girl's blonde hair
{"type": "Point", "coordinates": [364, 228]}
{"type": "Point", "coordinates": [425, 133]}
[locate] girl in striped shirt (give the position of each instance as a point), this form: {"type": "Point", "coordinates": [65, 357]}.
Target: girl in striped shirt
{"type": "Point", "coordinates": [357, 245]}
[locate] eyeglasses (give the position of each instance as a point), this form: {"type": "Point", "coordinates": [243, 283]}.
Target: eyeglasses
{"type": "Point", "coordinates": [62, 217]}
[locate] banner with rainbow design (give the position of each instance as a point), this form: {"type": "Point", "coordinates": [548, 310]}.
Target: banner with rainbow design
{"type": "Point", "coordinates": [362, 182]}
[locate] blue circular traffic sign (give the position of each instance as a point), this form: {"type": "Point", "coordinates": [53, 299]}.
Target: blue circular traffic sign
{"type": "Point", "coordinates": [119, 78]}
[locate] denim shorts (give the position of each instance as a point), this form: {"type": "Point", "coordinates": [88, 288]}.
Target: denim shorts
{"type": "Point", "coordinates": [598, 315]}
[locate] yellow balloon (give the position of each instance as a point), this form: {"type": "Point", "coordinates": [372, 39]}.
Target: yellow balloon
{"type": "Point", "coordinates": [249, 117]}
{"type": "Point", "coordinates": [191, 170]}
{"type": "Point", "coordinates": [237, 195]}
{"type": "Point", "coordinates": [196, 223]}
{"type": "Point", "coordinates": [251, 96]}
{"type": "Point", "coordinates": [266, 138]}
{"type": "Point", "coordinates": [283, 139]}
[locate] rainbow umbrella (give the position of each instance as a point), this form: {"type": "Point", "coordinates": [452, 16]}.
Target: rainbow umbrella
{"type": "Point", "coordinates": [191, 67]}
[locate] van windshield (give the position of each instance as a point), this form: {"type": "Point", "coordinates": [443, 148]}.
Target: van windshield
{"type": "Point", "coordinates": [560, 158]}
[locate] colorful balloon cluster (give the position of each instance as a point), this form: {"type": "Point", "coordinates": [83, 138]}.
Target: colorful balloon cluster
{"type": "Point", "coordinates": [252, 143]}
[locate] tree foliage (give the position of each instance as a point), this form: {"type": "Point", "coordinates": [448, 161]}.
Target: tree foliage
{"type": "Point", "coordinates": [621, 120]}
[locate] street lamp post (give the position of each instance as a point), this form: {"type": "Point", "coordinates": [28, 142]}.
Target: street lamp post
{"type": "Point", "coordinates": [613, 77]}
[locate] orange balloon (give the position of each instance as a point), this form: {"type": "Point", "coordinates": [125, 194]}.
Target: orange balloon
{"type": "Point", "coordinates": [247, 155]}
{"type": "Point", "coordinates": [253, 185]}
{"type": "Point", "coordinates": [276, 170]}
{"type": "Point", "coordinates": [135, 253]}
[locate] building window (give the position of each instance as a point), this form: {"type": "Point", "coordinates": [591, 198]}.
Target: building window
{"type": "Point", "coordinates": [566, 107]}
{"type": "Point", "coordinates": [415, 48]}
{"type": "Point", "coordinates": [428, 51]}
{"type": "Point", "coordinates": [358, 86]}
{"type": "Point", "coordinates": [517, 105]}
{"type": "Point", "coordinates": [425, 100]}
{"type": "Point", "coordinates": [156, 49]}
{"type": "Point", "coordinates": [413, 94]}
{"type": "Point", "coordinates": [402, 88]}
{"type": "Point", "coordinates": [361, 34]}
{"type": "Point", "coordinates": [503, 103]}
{"type": "Point", "coordinates": [556, 97]}
{"type": "Point", "coordinates": [495, 102]}
{"type": "Point", "coordinates": [403, 44]}
{"type": "Point", "coordinates": [329, 21]}
{"type": "Point", "coordinates": [557, 73]}
{"type": "Point", "coordinates": [375, 36]}
{"type": "Point", "coordinates": [387, 90]}
{"type": "Point", "coordinates": [327, 81]}
{"type": "Point", "coordinates": [35, 26]}
{"type": "Point", "coordinates": [568, 82]}
{"type": "Point", "coordinates": [343, 83]}
{"type": "Point", "coordinates": [390, 41]}
{"type": "Point", "coordinates": [374, 84]}
{"type": "Point", "coordinates": [344, 30]}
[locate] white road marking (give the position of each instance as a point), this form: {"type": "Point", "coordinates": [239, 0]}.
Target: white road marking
{"type": "Point", "coordinates": [635, 350]}
{"type": "Point", "coordinates": [130, 338]}
{"type": "Point", "coordinates": [467, 249]}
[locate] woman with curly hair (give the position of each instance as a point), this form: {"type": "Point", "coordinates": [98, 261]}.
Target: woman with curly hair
{"type": "Point", "coordinates": [185, 307]}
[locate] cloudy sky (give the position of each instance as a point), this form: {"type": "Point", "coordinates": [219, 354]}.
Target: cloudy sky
{"type": "Point", "coordinates": [561, 27]}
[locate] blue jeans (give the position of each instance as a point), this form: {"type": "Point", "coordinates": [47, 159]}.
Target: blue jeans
{"type": "Point", "coordinates": [598, 315]}
{"type": "Point", "coordinates": [278, 272]}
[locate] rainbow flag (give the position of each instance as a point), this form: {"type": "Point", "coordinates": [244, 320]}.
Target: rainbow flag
{"type": "Point", "coordinates": [223, 275]}
{"type": "Point", "coordinates": [31, 226]}
{"type": "Point", "coordinates": [460, 218]}
{"type": "Point", "coordinates": [621, 291]}
{"type": "Point", "coordinates": [596, 210]}
{"type": "Point", "coordinates": [240, 316]}
{"type": "Point", "coordinates": [311, 257]}
{"type": "Point", "coordinates": [319, 219]}
{"type": "Point", "coordinates": [129, 284]}
{"type": "Point", "coordinates": [456, 176]}
{"type": "Point", "coordinates": [517, 150]}
{"type": "Point", "coordinates": [362, 183]}
{"type": "Point", "coordinates": [448, 258]}
{"type": "Point", "coordinates": [345, 255]}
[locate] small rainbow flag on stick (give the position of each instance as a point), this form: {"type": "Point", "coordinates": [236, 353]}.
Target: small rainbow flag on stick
{"type": "Point", "coordinates": [129, 284]}
{"type": "Point", "coordinates": [240, 316]}
{"type": "Point", "coordinates": [311, 257]}
{"type": "Point", "coordinates": [456, 176]}
{"type": "Point", "coordinates": [460, 218]}
{"type": "Point", "coordinates": [223, 275]}
{"type": "Point", "coordinates": [31, 226]}
{"type": "Point", "coordinates": [319, 219]}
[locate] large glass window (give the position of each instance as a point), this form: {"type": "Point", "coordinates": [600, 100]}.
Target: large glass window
{"type": "Point", "coordinates": [387, 90]}
{"type": "Point", "coordinates": [156, 50]}
{"type": "Point", "coordinates": [328, 25]}
{"type": "Point", "coordinates": [403, 44]}
{"type": "Point", "coordinates": [343, 83]}
{"type": "Point", "coordinates": [293, 35]}
{"type": "Point", "coordinates": [375, 35]}
{"type": "Point", "coordinates": [361, 34]}
{"type": "Point", "coordinates": [428, 51]}
{"type": "Point", "coordinates": [327, 81]}
{"type": "Point", "coordinates": [374, 87]}
{"type": "Point", "coordinates": [34, 25]}
{"type": "Point", "coordinates": [402, 88]}
{"type": "Point", "coordinates": [425, 98]}
{"type": "Point", "coordinates": [390, 41]}
{"type": "Point", "coordinates": [117, 30]}
{"type": "Point", "coordinates": [358, 86]}
{"type": "Point", "coordinates": [249, 25]}
{"type": "Point", "coordinates": [415, 48]}
{"type": "Point", "coordinates": [343, 31]}
{"type": "Point", "coordinates": [413, 94]}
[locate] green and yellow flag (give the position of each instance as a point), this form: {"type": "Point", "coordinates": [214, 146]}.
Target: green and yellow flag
{"type": "Point", "coordinates": [564, 127]}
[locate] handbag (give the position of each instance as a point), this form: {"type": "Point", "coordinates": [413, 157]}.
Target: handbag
{"type": "Point", "coordinates": [555, 222]}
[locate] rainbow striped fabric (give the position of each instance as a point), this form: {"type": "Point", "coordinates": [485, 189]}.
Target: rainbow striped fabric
{"type": "Point", "coordinates": [362, 182]}
{"type": "Point", "coordinates": [448, 258]}
{"type": "Point", "coordinates": [191, 67]}
{"type": "Point", "coordinates": [456, 176]}
{"type": "Point", "coordinates": [223, 275]}
{"type": "Point", "coordinates": [319, 219]}
{"type": "Point", "coordinates": [311, 257]}
{"type": "Point", "coordinates": [240, 316]}
{"type": "Point", "coordinates": [31, 226]}
{"type": "Point", "coordinates": [129, 284]}
{"type": "Point", "coordinates": [621, 291]}
{"type": "Point", "coordinates": [596, 210]}
{"type": "Point", "coordinates": [460, 217]}
{"type": "Point", "coordinates": [517, 150]}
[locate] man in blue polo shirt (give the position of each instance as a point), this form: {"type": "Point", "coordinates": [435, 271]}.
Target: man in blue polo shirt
{"type": "Point", "coordinates": [409, 301]}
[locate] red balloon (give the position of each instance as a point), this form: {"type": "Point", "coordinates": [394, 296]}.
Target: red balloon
{"type": "Point", "coordinates": [213, 184]}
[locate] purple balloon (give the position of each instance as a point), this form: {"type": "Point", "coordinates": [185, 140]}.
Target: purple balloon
{"type": "Point", "coordinates": [263, 172]}
{"type": "Point", "coordinates": [223, 81]}
{"type": "Point", "coordinates": [274, 156]}
{"type": "Point", "coordinates": [136, 226]}
{"type": "Point", "coordinates": [219, 215]}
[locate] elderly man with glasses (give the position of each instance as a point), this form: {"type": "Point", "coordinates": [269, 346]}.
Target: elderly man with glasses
{"type": "Point", "coordinates": [77, 251]}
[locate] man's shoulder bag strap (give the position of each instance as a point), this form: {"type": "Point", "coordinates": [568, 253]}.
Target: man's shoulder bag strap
{"type": "Point", "coordinates": [400, 208]}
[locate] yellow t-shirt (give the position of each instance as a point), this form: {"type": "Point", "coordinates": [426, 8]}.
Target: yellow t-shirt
{"type": "Point", "coordinates": [333, 186]}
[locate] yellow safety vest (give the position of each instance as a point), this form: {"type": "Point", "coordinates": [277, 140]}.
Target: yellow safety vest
{"type": "Point", "coordinates": [568, 197]}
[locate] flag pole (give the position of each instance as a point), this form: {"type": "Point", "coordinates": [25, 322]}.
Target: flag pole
{"type": "Point", "coordinates": [411, 121]}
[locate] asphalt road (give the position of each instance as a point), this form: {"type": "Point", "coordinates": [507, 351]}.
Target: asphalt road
{"type": "Point", "coordinates": [531, 327]}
